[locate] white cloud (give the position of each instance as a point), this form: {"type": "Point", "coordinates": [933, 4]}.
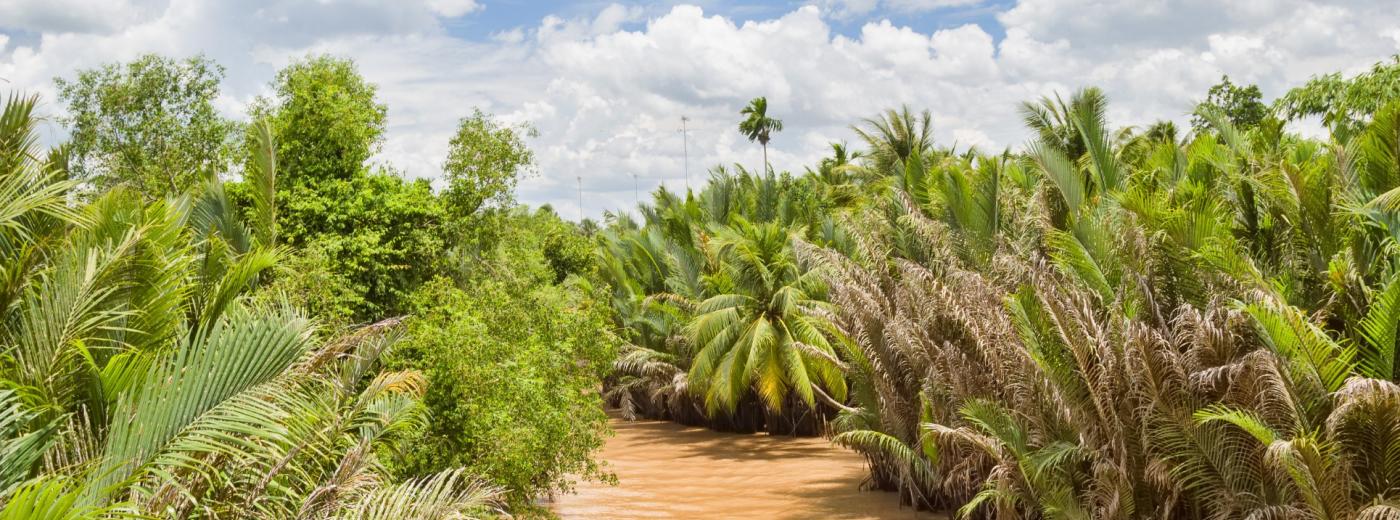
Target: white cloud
{"type": "Point", "coordinates": [915, 6]}
{"type": "Point", "coordinates": [453, 8]}
{"type": "Point", "coordinates": [75, 15]}
{"type": "Point", "coordinates": [848, 9]}
{"type": "Point", "coordinates": [606, 91]}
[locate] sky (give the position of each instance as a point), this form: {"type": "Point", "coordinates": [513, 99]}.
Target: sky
{"type": "Point", "coordinates": [605, 84]}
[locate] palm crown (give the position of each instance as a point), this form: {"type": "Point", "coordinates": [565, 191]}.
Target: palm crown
{"type": "Point", "coordinates": [757, 126]}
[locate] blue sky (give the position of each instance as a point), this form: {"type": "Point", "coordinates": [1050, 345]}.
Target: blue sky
{"type": "Point", "coordinates": [504, 15]}
{"type": "Point", "coordinates": [605, 83]}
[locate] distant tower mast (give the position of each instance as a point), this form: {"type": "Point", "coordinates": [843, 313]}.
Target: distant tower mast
{"type": "Point", "coordinates": [580, 198]}
{"type": "Point", "coordinates": [685, 150]}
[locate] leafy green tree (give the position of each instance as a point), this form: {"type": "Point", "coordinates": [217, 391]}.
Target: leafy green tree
{"type": "Point", "coordinates": [364, 244]}
{"type": "Point", "coordinates": [512, 361]}
{"type": "Point", "coordinates": [567, 251]}
{"type": "Point", "coordinates": [757, 126]}
{"type": "Point", "coordinates": [366, 240]}
{"type": "Point", "coordinates": [1242, 105]}
{"type": "Point", "coordinates": [485, 159]}
{"type": "Point", "coordinates": [1344, 104]}
{"type": "Point", "coordinates": [149, 124]}
{"type": "Point", "coordinates": [325, 118]}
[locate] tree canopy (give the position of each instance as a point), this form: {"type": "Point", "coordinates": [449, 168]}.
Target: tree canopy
{"type": "Point", "coordinates": [325, 117]}
{"type": "Point", "coordinates": [150, 124]}
{"type": "Point", "coordinates": [1242, 105]}
{"type": "Point", "coordinates": [485, 160]}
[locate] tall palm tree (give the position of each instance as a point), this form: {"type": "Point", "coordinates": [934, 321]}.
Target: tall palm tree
{"type": "Point", "coordinates": [757, 126]}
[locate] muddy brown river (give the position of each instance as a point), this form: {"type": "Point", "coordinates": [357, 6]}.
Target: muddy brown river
{"type": "Point", "coordinates": [665, 470]}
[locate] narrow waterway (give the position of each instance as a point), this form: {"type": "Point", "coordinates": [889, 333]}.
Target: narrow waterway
{"type": "Point", "coordinates": [665, 470]}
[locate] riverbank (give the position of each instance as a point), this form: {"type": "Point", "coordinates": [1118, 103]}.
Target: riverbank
{"type": "Point", "coordinates": [666, 470]}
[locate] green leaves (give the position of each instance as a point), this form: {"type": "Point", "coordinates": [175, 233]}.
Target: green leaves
{"type": "Point", "coordinates": [1058, 168]}
{"type": "Point", "coordinates": [758, 126]}
{"type": "Point", "coordinates": [23, 440]}
{"type": "Point", "coordinates": [261, 175]}
{"type": "Point", "coordinates": [748, 339]}
{"type": "Point", "coordinates": [236, 354]}
{"type": "Point", "coordinates": [1380, 330]}
{"type": "Point", "coordinates": [149, 124]}
{"type": "Point", "coordinates": [1317, 357]}
{"type": "Point", "coordinates": [485, 160]}
{"type": "Point", "coordinates": [450, 494]}
{"type": "Point", "coordinates": [324, 119]}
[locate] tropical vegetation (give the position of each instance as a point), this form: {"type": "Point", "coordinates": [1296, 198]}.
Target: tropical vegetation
{"type": "Point", "coordinates": [1103, 323]}
{"type": "Point", "coordinates": [202, 317]}
{"type": "Point", "coordinates": [209, 318]}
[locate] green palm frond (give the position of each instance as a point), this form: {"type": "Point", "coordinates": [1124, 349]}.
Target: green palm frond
{"type": "Point", "coordinates": [450, 494]}
{"type": "Point", "coordinates": [56, 498]}
{"type": "Point", "coordinates": [1062, 173]}
{"type": "Point", "coordinates": [23, 440]}
{"type": "Point", "coordinates": [920, 470]}
{"type": "Point", "coordinates": [1300, 341]}
{"type": "Point", "coordinates": [261, 175]}
{"type": "Point", "coordinates": [1379, 329]}
{"type": "Point", "coordinates": [240, 352]}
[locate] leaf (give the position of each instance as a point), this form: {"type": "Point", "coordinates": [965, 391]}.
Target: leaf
{"type": "Point", "coordinates": [262, 176]}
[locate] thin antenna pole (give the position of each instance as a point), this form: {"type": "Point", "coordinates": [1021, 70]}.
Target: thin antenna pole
{"type": "Point", "coordinates": [685, 150]}
{"type": "Point", "coordinates": [580, 197]}
{"type": "Point", "coordinates": [636, 190]}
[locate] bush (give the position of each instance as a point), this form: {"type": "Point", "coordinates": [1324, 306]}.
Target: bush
{"type": "Point", "coordinates": [513, 371]}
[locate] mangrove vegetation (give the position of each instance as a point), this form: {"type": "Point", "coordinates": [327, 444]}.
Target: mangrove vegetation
{"type": "Point", "coordinates": [204, 317]}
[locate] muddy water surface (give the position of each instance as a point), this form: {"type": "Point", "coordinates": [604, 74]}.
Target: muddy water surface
{"type": "Point", "coordinates": [665, 470]}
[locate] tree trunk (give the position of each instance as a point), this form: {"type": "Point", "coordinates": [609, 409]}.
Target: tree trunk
{"type": "Point", "coordinates": [765, 159]}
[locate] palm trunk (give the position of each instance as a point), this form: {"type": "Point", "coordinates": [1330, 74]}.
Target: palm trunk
{"type": "Point", "coordinates": [765, 159]}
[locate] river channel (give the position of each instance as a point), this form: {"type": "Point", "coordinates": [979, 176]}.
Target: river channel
{"type": "Point", "coordinates": [666, 470]}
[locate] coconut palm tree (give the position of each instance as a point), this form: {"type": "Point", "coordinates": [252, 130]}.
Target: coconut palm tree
{"type": "Point", "coordinates": [757, 126]}
{"type": "Point", "coordinates": [896, 136]}
{"type": "Point", "coordinates": [763, 332]}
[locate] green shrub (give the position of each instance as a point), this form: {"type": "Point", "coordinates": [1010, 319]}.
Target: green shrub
{"type": "Point", "coordinates": [513, 372]}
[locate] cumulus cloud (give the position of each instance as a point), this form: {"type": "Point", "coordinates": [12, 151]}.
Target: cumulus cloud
{"type": "Point", "coordinates": [75, 15]}
{"type": "Point", "coordinates": [606, 90]}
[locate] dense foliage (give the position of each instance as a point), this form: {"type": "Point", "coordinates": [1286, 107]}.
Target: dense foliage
{"type": "Point", "coordinates": [366, 236]}
{"type": "Point", "coordinates": [138, 381]}
{"type": "Point", "coordinates": [1344, 104]}
{"type": "Point", "coordinates": [1110, 324]}
{"type": "Point", "coordinates": [149, 124]}
{"type": "Point", "coordinates": [514, 362]}
{"type": "Point", "coordinates": [183, 334]}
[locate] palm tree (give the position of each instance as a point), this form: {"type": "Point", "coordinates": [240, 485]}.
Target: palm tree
{"type": "Point", "coordinates": [757, 126]}
{"type": "Point", "coordinates": [763, 332]}
{"type": "Point", "coordinates": [1108, 325]}
{"type": "Point", "coordinates": [895, 136]}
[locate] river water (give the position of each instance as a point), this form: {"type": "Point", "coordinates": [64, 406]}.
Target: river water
{"type": "Point", "coordinates": [666, 470]}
